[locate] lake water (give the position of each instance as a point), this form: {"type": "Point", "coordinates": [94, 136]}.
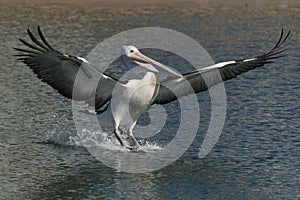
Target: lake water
{"type": "Point", "coordinates": [256, 157]}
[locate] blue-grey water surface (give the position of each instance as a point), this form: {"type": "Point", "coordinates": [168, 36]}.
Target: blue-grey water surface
{"type": "Point", "coordinates": [256, 157]}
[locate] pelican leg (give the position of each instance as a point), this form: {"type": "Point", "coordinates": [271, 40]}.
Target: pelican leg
{"type": "Point", "coordinates": [136, 143]}
{"type": "Point", "coordinates": [118, 136]}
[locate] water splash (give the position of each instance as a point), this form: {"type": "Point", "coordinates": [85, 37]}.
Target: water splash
{"type": "Point", "coordinates": [63, 133]}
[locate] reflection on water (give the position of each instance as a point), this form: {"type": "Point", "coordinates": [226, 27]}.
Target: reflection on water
{"type": "Point", "coordinates": [256, 157]}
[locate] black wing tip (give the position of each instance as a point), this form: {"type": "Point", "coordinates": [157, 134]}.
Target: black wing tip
{"type": "Point", "coordinates": [275, 53]}
{"type": "Point", "coordinates": [30, 32]}
{"type": "Point", "coordinates": [282, 39]}
{"type": "Point", "coordinates": [278, 48]}
{"type": "Point", "coordinates": [40, 45]}
{"type": "Point", "coordinates": [42, 37]}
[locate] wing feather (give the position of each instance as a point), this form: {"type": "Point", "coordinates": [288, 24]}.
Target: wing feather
{"type": "Point", "coordinates": [61, 72]}
{"type": "Point", "coordinates": [201, 80]}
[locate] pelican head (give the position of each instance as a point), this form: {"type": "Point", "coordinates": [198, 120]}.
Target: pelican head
{"type": "Point", "coordinates": [134, 55]}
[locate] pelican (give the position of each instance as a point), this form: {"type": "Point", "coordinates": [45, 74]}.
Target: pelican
{"type": "Point", "coordinates": [125, 101]}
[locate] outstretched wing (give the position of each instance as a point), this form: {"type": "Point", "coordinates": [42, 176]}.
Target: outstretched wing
{"type": "Point", "coordinates": [202, 79]}
{"type": "Point", "coordinates": [73, 77]}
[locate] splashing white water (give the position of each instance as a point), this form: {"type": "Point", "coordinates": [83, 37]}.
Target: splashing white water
{"type": "Point", "coordinates": [62, 134]}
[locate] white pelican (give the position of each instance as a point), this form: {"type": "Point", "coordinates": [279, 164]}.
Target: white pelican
{"type": "Point", "coordinates": [59, 71]}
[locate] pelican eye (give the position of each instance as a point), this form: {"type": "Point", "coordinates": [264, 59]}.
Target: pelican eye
{"type": "Point", "coordinates": [131, 51]}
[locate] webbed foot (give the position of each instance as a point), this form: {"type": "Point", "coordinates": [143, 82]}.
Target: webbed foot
{"type": "Point", "coordinates": [132, 148]}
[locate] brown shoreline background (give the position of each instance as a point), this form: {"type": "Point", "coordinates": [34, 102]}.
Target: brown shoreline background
{"type": "Point", "coordinates": [149, 4]}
